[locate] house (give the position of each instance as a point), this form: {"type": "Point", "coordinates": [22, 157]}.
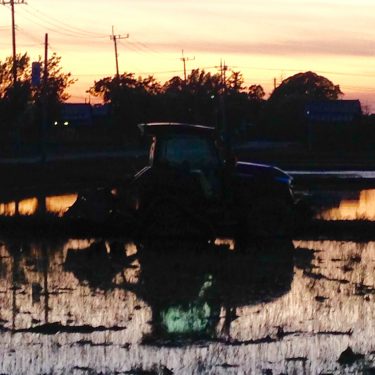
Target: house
{"type": "Point", "coordinates": [333, 111]}
{"type": "Point", "coordinates": [75, 115]}
{"type": "Point", "coordinates": [83, 115]}
{"type": "Point", "coordinates": [333, 124]}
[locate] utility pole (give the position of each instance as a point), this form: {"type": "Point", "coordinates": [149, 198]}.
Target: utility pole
{"type": "Point", "coordinates": [44, 110]}
{"type": "Point", "coordinates": [223, 69]}
{"type": "Point", "coordinates": [115, 38]}
{"type": "Point", "coordinates": [12, 3]}
{"type": "Point", "coordinates": [223, 126]}
{"type": "Point", "coordinates": [184, 60]}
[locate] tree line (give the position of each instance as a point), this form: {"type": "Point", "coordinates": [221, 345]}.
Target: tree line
{"type": "Point", "coordinates": [21, 101]}
{"type": "Point", "coordinates": [204, 98]}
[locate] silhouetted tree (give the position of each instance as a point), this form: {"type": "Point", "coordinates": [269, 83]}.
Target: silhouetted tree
{"type": "Point", "coordinates": [236, 103]}
{"type": "Point", "coordinates": [133, 100]}
{"type": "Point", "coordinates": [235, 83]}
{"type": "Point", "coordinates": [55, 92]}
{"type": "Point", "coordinates": [256, 93]}
{"type": "Point", "coordinates": [199, 99]}
{"type": "Point", "coordinates": [19, 102]}
{"type": "Point", "coordinates": [284, 113]}
{"type": "Point", "coordinates": [194, 100]}
{"type": "Point", "coordinates": [14, 98]}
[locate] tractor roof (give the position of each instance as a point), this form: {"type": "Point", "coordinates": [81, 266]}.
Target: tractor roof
{"type": "Point", "coordinates": [169, 128]}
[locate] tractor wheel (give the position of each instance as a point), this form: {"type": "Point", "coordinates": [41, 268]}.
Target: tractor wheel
{"type": "Point", "coordinates": [168, 219]}
{"type": "Point", "coordinates": [270, 218]}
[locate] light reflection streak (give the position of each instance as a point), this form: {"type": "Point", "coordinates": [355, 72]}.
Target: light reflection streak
{"type": "Point", "coordinates": [331, 291]}
{"type": "Point", "coordinates": [60, 203]}
{"type": "Point", "coordinates": [362, 208]}
{"type": "Point", "coordinates": [54, 204]}
{"type": "Point", "coordinates": [230, 242]}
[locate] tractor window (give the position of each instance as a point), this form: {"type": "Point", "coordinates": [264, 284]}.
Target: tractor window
{"type": "Point", "coordinates": [190, 151]}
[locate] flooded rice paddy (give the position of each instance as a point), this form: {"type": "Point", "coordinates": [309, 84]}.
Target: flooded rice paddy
{"type": "Point", "coordinates": [115, 307]}
{"type": "Point", "coordinates": [52, 204]}
{"type": "Point", "coordinates": [347, 205]}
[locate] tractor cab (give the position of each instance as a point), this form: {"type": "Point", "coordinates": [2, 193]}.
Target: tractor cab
{"type": "Point", "coordinates": [191, 175]}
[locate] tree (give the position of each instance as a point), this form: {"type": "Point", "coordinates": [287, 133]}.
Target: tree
{"type": "Point", "coordinates": [256, 93]}
{"type": "Point", "coordinates": [235, 83]}
{"type": "Point", "coordinates": [133, 100]}
{"type": "Point", "coordinates": [285, 111]}
{"type": "Point", "coordinates": [58, 81]}
{"type": "Point", "coordinates": [17, 100]}
{"type": "Point", "coordinates": [14, 97]}
{"type": "Point", "coordinates": [54, 94]}
{"type": "Point", "coordinates": [306, 86]}
{"type": "Point", "coordinates": [193, 100]}
{"type": "Point", "coordinates": [198, 99]}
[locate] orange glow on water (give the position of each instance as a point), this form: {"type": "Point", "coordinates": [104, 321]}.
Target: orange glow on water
{"type": "Point", "coordinates": [26, 207]}
{"type": "Point", "coordinates": [362, 208]}
{"type": "Point", "coordinates": [230, 242]}
{"type": "Point", "coordinates": [59, 204]}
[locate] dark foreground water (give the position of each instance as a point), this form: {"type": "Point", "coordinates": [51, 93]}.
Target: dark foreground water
{"type": "Point", "coordinates": [114, 307]}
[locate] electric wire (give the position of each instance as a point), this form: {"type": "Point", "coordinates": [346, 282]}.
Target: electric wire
{"type": "Point", "coordinates": [148, 49]}
{"type": "Point", "coordinates": [140, 47]}
{"type": "Point", "coordinates": [301, 70]}
{"type": "Point", "coordinates": [143, 49]}
{"type": "Point", "coordinates": [53, 27]}
{"type": "Point", "coordinates": [56, 22]}
{"type": "Point", "coordinates": [22, 31]}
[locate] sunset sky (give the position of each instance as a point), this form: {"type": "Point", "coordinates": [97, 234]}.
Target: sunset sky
{"type": "Point", "coordinates": [262, 39]}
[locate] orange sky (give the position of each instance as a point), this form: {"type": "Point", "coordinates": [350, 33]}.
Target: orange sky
{"type": "Point", "coordinates": [262, 39]}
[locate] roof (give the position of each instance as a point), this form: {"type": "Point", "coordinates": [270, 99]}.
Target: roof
{"type": "Point", "coordinates": [76, 112]}
{"type": "Point", "coordinates": [333, 110]}
{"type": "Point", "coordinates": [167, 128]}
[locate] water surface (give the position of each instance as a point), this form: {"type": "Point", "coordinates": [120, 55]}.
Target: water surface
{"type": "Point", "coordinates": [114, 306]}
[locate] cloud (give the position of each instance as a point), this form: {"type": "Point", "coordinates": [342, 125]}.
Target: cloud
{"type": "Point", "coordinates": [333, 47]}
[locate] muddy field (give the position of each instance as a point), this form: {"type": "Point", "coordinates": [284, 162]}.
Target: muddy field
{"type": "Point", "coordinates": [113, 305]}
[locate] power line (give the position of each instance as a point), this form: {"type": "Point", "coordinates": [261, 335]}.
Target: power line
{"type": "Point", "coordinates": [55, 28]}
{"type": "Point", "coordinates": [30, 36]}
{"type": "Point", "coordinates": [133, 47]}
{"type": "Point", "coordinates": [145, 46]}
{"type": "Point", "coordinates": [300, 70]}
{"type": "Point", "coordinates": [45, 27]}
{"type": "Point", "coordinates": [67, 26]}
{"type": "Point", "coordinates": [21, 45]}
{"type": "Point", "coordinates": [367, 89]}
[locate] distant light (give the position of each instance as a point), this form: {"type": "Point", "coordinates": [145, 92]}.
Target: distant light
{"type": "Point", "coordinates": [66, 123]}
{"type": "Point", "coordinates": [230, 242]}
{"type": "Point", "coordinates": [307, 112]}
{"type": "Point", "coordinates": [212, 96]}
{"type": "Point", "coordinates": [55, 123]}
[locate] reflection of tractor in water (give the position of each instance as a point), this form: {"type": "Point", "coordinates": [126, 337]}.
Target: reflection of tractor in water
{"type": "Point", "coordinates": [193, 186]}
{"type": "Point", "coordinates": [194, 289]}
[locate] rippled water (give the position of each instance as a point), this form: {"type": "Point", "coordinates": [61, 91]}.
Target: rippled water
{"type": "Point", "coordinates": [351, 206]}
{"type": "Point", "coordinates": [54, 204]}
{"type": "Point", "coordinates": [113, 306]}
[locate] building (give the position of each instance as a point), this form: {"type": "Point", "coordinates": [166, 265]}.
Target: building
{"type": "Point", "coordinates": [79, 115]}
{"type": "Point", "coordinates": [333, 124]}
{"type": "Point", "coordinates": [334, 111]}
